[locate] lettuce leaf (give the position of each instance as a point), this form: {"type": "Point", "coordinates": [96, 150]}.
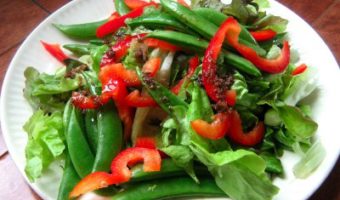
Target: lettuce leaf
{"type": "Point", "coordinates": [45, 142]}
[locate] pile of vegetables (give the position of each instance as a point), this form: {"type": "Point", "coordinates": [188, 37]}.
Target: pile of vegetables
{"type": "Point", "coordinates": [173, 100]}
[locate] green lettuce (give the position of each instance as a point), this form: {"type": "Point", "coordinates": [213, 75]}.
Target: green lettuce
{"type": "Point", "coordinates": [45, 142]}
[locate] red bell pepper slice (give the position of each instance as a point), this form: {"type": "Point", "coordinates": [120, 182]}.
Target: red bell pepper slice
{"type": "Point", "coordinates": [133, 4]}
{"type": "Point", "coordinates": [126, 114]}
{"type": "Point", "coordinates": [113, 25]}
{"type": "Point", "coordinates": [236, 133]}
{"type": "Point", "coordinates": [80, 100]}
{"type": "Point", "coordinates": [299, 70]}
{"type": "Point", "coordinates": [193, 64]}
{"type": "Point", "coordinates": [152, 66]}
{"type": "Point", "coordinates": [146, 142]}
{"type": "Point", "coordinates": [113, 71]}
{"type": "Point", "coordinates": [232, 29]}
{"type": "Point", "coordinates": [263, 35]}
{"type": "Point", "coordinates": [214, 130]}
{"type": "Point", "coordinates": [113, 16]}
{"type": "Point", "coordinates": [231, 97]}
{"type": "Point", "coordinates": [119, 49]}
{"type": "Point", "coordinates": [135, 99]}
{"type": "Point", "coordinates": [55, 51]}
{"type": "Point", "coordinates": [156, 43]}
{"type": "Point", "coordinates": [120, 171]}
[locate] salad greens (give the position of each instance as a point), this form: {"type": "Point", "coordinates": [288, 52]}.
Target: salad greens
{"type": "Point", "coordinates": [200, 99]}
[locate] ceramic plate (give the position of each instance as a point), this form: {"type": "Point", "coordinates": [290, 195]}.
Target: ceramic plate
{"type": "Point", "coordinates": [313, 51]}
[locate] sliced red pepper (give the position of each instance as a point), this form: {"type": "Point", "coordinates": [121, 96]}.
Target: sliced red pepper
{"type": "Point", "coordinates": [263, 35]}
{"type": "Point", "coordinates": [156, 43]}
{"type": "Point", "coordinates": [232, 29]}
{"type": "Point", "coordinates": [152, 66]}
{"type": "Point", "coordinates": [113, 16]}
{"type": "Point", "coordinates": [231, 97]}
{"type": "Point", "coordinates": [193, 64]}
{"type": "Point", "coordinates": [250, 138]}
{"type": "Point", "coordinates": [133, 4]}
{"type": "Point", "coordinates": [113, 25]}
{"type": "Point", "coordinates": [299, 70]}
{"type": "Point", "coordinates": [135, 99]}
{"type": "Point", "coordinates": [120, 171]}
{"type": "Point", "coordinates": [55, 51]}
{"type": "Point", "coordinates": [146, 142]}
{"type": "Point", "coordinates": [118, 70]}
{"type": "Point", "coordinates": [214, 130]}
{"type": "Point", "coordinates": [80, 100]}
{"type": "Point", "coordinates": [183, 3]}
{"type": "Point", "coordinates": [126, 114]}
{"type": "Point", "coordinates": [119, 49]}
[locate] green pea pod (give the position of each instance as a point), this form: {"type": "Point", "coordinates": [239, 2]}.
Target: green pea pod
{"type": "Point", "coordinates": [67, 115]}
{"type": "Point", "coordinates": [110, 137]}
{"type": "Point", "coordinates": [80, 31]}
{"type": "Point", "coordinates": [80, 49]}
{"type": "Point", "coordinates": [91, 129]}
{"type": "Point", "coordinates": [121, 7]}
{"type": "Point", "coordinates": [79, 150]}
{"type": "Point", "coordinates": [69, 180]}
{"type": "Point", "coordinates": [97, 54]}
{"type": "Point", "coordinates": [171, 188]}
{"type": "Point", "coordinates": [199, 23]}
{"type": "Point", "coordinates": [97, 42]}
{"type": "Point", "coordinates": [196, 44]}
{"type": "Point", "coordinates": [157, 20]}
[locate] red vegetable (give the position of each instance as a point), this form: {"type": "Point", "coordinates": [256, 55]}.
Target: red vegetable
{"type": "Point", "coordinates": [113, 25]}
{"type": "Point", "coordinates": [120, 171]}
{"type": "Point", "coordinates": [231, 97]}
{"type": "Point", "coordinates": [299, 70]}
{"type": "Point", "coordinates": [114, 15]}
{"type": "Point", "coordinates": [156, 43]}
{"type": "Point", "coordinates": [214, 130]}
{"type": "Point", "coordinates": [80, 100]}
{"type": "Point", "coordinates": [126, 114]}
{"type": "Point", "coordinates": [55, 51]}
{"type": "Point", "coordinates": [133, 4]}
{"type": "Point", "coordinates": [119, 49]}
{"type": "Point", "coordinates": [146, 142]}
{"type": "Point", "coordinates": [263, 35]}
{"type": "Point", "coordinates": [236, 133]}
{"type": "Point", "coordinates": [152, 66]}
{"type": "Point", "coordinates": [118, 70]}
{"type": "Point", "coordinates": [183, 3]}
{"type": "Point", "coordinates": [232, 30]}
{"type": "Point", "coordinates": [135, 99]}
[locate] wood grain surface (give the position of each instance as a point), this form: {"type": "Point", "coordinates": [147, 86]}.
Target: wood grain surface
{"type": "Point", "coordinates": [20, 17]}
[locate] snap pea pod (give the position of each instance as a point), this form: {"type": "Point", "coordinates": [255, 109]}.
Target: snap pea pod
{"type": "Point", "coordinates": [121, 7]}
{"type": "Point", "coordinates": [97, 54]}
{"type": "Point", "coordinates": [110, 137]}
{"type": "Point", "coordinates": [171, 188]}
{"type": "Point", "coordinates": [91, 129]}
{"type": "Point", "coordinates": [80, 31]}
{"type": "Point", "coordinates": [196, 44]}
{"type": "Point", "coordinates": [80, 49]}
{"type": "Point", "coordinates": [69, 180]}
{"type": "Point", "coordinates": [198, 23]}
{"type": "Point", "coordinates": [157, 20]}
{"type": "Point", "coordinates": [79, 150]}
{"type": "Point", "coordinates": [67, 115]}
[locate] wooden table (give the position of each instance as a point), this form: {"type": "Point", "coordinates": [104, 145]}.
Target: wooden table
{"type": "Point", "coordinates": [19, 17]}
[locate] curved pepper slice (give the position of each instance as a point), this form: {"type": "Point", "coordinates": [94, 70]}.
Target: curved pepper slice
{"type": "Point", "coordinates": [120, 171]}
{"type": "Point", "coordinates": [232, 31]}
{"type": "Point", "coordinates": [133, 4]}
{"type": "Point", "coordinates": [108, 72]}
{"type": "Point", "coordinates": [135, 99]}
{"type": "Point", "coordinates": [156, 43]}
{"type": "Point", "coordinates": [55, 51]}
{"type": "Point", "coordinates": [214, 130]}
{"type": "Point", "coordinates": [236, 133]}
{"type": "Point", "coordinates": [299, 69]}
{"type": "Point", "coordinates": [152, 66]}
{"type": "Point", "coordinates": [263, 35]}
{"type": "Point", "coordinates": [231, 97]}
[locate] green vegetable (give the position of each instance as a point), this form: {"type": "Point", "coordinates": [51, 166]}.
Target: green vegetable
{"type": "Point", "coordinates": [69, 180]}
{"type": "Point", "coordinates": [121, 7]}
{"type": "Point", "coordinates": [273, 164]}
{"type": "Point", "coordinates": [45, 142]}
{"type": "Point", "coordinates": [91, 129]}
{"type": "Point", "coordinates": [272, 22]}
{"type": "Point", "coordinates": [96, 55]}
{"type": "Point", "coordinates": [80, 31]}
{"type": "Point", "coordinates": [80, 49]}
{"type": "Point", "coordinates": [169, 189]}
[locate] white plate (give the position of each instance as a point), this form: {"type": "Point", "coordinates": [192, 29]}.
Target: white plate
{"type": "Point", "coordinates": [313, 51]}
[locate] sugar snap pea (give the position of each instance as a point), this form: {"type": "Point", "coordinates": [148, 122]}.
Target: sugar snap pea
{"type": "Point", "coordinates": [199, 45]}
{"type": "Point", "coordinates": [80, 49]}
{"type": "Point", "coordinates": [91, 129]}
{"type": "Point", "coordinates": [69, 180]}
{"type": "Point", "coordinates": [110, 137]}
{"type": "Point", "coordinates": [170, 188]}
{"type": "Point", "coordinates": [80, 31]}
{"type": "Point", "coordinates": [121, 7]}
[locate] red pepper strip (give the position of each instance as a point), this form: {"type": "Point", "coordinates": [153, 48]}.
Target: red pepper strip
{"type": "Point", "coordinates": [299, 70]}
{"type": "Point", "coordinates": [263, 35]}
{"type": "Point", "coordinates": [120, 171]}
{"type": "Point", "coordinates": [134, 99]}
{"type": "Point", "coordinates": [126, 114]}
{"type": "Point", "coordinates": [117, 70]}
{"type": "Point", "coordinates": [119, 49]}
{"type": "Point", "coordinates": [113, 16]}
{"type": "Point", "coordinates": [156, 43]}
{"type": "Point", "coordinates": [215, 130]}
{"type": "Point", "coordinates": [146, 142]}
{"type": "Point", "coordinates": [80, 100]}
{"type": "Point", "coordinates": [232, 30]}
{"type": "Point", "coordinates": [113, 25]}
{"type": "Point", "coordinates": [236, 133]}
{"type": "Point", "coordinates": [152, 66]}
{"type": "Point", "coordinates": [133, 4]}
{"type": "Point", "coordinates": [183, 3]}
{"type": "Point", "coordinates": [231, 97]}
{"type": "Point", "coordinates": [193, 64]}
{"type": "Point", "coordinates": [55, 51]}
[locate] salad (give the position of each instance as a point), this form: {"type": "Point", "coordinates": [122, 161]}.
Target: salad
{"type": "Point", "coordinates": [168, 100]}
